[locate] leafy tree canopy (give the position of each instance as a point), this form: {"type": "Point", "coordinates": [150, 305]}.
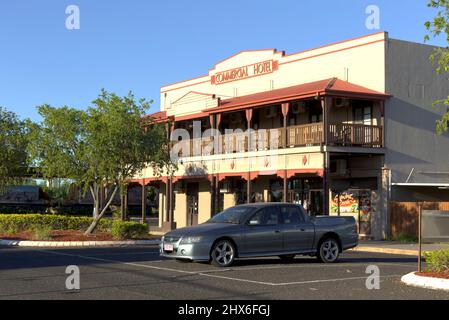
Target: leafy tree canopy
{"type": "Point", "coordinates": [439, 27]}
{"type": "Point", "coordinates": [106, 144]}
{"type": "Point", "coordinates": [13, 142]}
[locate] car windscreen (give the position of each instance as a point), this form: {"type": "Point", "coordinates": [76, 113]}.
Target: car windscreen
{"type": "Point", "coordinates": [232, 215]}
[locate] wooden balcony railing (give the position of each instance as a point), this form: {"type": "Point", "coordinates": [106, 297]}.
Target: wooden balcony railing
{"type": "Point", "coordinates": [356, 135]}
{"type": "Point", "coordinates": [305, 135]}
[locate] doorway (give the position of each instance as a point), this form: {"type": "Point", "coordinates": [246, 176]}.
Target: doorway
{"type": "Point", "coordinates": [192, 204]}
{"type": "Point", "coordinates": [316, 202]}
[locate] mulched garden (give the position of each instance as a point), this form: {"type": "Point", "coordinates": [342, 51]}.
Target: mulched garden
{"type": "Point", "coordinates": [441, 275]}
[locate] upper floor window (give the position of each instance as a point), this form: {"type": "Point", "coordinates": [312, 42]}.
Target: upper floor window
{"type": "Point", "coordinates": [363, 115]}
{"type": "Point", "coordinates": [316, 113]}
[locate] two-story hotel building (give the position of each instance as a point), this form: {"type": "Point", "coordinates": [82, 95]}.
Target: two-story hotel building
{"type": "Point", "coordinates": [341, 129]}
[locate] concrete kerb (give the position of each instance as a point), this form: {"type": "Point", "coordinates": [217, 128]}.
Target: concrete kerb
{"type": "Point", "coordinates": [412, 279]}
{"type": "Point", "coordinates": [405, 252]}
{"type": "Point", "coordinates": [53, 244]}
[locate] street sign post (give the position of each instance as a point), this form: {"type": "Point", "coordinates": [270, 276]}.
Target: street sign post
{"type": "Point", "coordinates": [419, 236]}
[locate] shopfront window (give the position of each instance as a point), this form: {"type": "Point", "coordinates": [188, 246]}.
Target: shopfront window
{"type": "Point", "coordinates": [308, 193]}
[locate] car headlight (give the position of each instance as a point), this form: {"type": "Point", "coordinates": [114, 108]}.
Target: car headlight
{"type": "Point", "coordinates": [191, 239]}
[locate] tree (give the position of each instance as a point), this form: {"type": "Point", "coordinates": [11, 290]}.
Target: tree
{"type": "Point", "coordinates": [13, 142]}
{"type": "Point", "coordinates": [103, 145]}
{"type": "Point", "coordinates": [436, 27]}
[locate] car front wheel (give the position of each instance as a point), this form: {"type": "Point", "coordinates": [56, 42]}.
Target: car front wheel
{"type": "Point", "coordinates": [223, 253]}
{"type": "Point", "coordinates": [328, 251]}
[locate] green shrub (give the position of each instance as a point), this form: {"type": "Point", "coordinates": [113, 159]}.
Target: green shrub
{"type": "Point", "coordinates": [437, 261]}
{"type": "Point", "coordinates": [13, 223]}
{"type": "Point", "coordinates": [74, 210]}
{"type": "Point", "coordinates": [42, 233]}
{"type": "Point", "coordinates": [128, 230]}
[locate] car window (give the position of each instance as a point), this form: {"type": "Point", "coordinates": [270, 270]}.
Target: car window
{"type": "Point", "coordinates": [232, 215]}
{"type": "Point", "coordinates": [265, 217]}
{"type": "Point", "coordinates": [291, 215]}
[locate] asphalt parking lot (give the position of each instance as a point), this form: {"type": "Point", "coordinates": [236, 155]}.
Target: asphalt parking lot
{"type": "Point", "coordinates": [139, 273]}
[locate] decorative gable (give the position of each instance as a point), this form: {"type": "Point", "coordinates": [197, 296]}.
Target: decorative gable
{"type": "Point", "coordinates": [193, 102]}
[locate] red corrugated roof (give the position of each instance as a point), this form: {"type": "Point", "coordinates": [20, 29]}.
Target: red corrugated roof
{"type": "Point", "coordinates": [331, 86]}
{"type": "Point", "coordinates": [157, 115]}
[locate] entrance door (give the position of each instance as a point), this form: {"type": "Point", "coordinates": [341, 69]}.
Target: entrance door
{"type": "Point", "coordinates": [192, 204]}
{"type": "Point", "coordinates": [316, 202]}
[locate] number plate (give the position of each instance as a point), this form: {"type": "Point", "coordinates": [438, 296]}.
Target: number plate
{"type": "Point", "coordinates": [168, 247]}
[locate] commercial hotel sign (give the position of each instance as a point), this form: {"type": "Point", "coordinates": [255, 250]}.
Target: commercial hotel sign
{"type": "Point", "coordinates": [245, 72]}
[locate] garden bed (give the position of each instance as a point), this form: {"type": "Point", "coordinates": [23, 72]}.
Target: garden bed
{"type": "Point", "coordinates": [38, 227]}
{"type": "Point", "coordinates": [68, 235]}
{"type": "Point", "coordinates": [439, 275]}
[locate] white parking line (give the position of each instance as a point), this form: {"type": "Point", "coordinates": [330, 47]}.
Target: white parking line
{"type": "Point", "coordinates": [132, 263]}
{"type": "Point", "coordinates": [127, 253]}
{"type": "Point", "coordinates": [330, 280]}
{"type": "Point", "coordinates": [299, 266]}
{"type": "Point", "coordinates": [208, 273]}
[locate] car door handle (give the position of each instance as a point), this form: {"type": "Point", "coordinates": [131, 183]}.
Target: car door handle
{"type": "Point", "coordinates": [277, 231]}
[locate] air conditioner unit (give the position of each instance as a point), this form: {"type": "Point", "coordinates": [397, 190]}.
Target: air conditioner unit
{"type": "Point", "coordinates": [299, 108]}
{"type": "Point", "coordinates": [340, 103]}
{"type": "Point", "coordinates": [340, 167]}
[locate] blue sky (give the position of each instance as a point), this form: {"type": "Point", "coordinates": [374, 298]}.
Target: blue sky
{"type": "Point", "coordinates": [140, 45]}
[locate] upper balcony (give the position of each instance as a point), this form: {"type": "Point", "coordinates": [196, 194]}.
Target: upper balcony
{"type": "Point", "coordinates": [307, 135]}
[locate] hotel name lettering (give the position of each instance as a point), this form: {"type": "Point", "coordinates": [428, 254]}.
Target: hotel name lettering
{"type": "Point", "coordinates": [249, 71]}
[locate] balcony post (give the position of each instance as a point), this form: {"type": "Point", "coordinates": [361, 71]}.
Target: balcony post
{"type": "Point", "coordinates": [213, 189]}
{"type": "Point", "coordinates": [219, 143]}
{"type": "Point", "coordinates": [285, 187]}
{"type": "Point", "coordinates": [382, 123]}
{"type": "Point", "coordinates": [285, 109]}
{"type": "Point", "coordinates": [249, 117]}
{"type": "Point", "coordinates": [325, 104]}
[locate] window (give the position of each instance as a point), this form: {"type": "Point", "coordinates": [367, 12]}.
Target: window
{"type": "Point", "coordinates": [265, 217]}
{"type": "Point", "coordinates": [363, 115]}
{"type": "Point", "coordinates": [316, 114]}
{"type": "Point", "coordinates": [291, 215]}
